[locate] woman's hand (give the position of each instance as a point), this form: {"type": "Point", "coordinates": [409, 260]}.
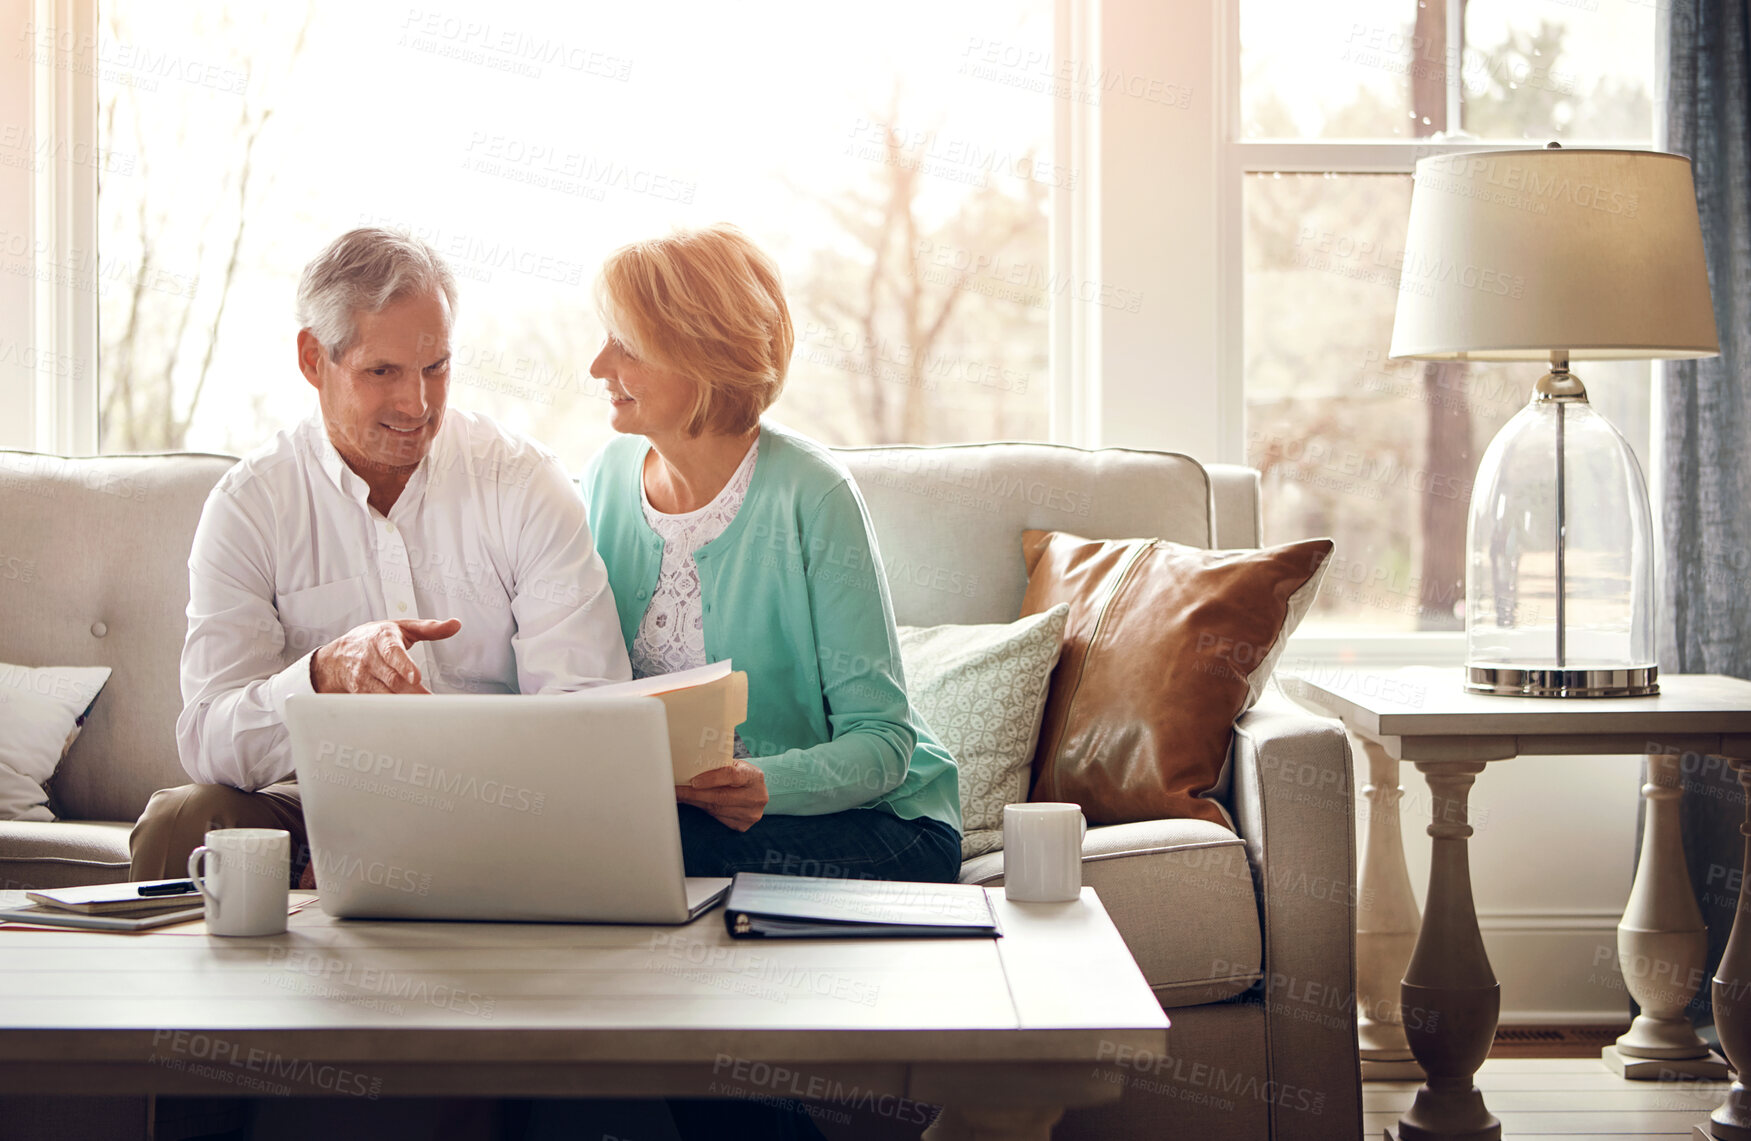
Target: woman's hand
{"type": "Point", "coordinates": [734, 793]}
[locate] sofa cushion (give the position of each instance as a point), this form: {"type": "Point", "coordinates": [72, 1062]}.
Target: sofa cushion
{"type": "Point", "coordinates": [100, 547]}
{"type": "Point", "coordinates": [64, 853]}
{"type": "Point", "coordinates": [1181, 893]}
{"type": "Point", "coordinates": [949, 518]}
{"type": "Point", "coordinates": [1166, 645]}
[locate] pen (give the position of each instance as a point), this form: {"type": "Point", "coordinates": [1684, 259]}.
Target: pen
{"type": "Point", "coordinates": [174, 887]}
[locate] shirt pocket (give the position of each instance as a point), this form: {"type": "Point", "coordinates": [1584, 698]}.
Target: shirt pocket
{"type": "Point", "coordinates": [317, 615]}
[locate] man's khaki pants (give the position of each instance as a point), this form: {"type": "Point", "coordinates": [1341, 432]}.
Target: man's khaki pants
{"type": "Point", "coordinates": [177, 820]}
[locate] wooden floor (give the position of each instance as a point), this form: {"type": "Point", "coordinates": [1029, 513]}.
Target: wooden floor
{"type": "Point", "coordinates": [1570, 1098]}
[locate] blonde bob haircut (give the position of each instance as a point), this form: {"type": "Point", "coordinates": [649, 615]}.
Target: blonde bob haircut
{"type": "Point", "coordinates": [707, 304]}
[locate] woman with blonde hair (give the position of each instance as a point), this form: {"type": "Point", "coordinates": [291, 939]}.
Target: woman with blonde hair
{"type": "Point", "coordinates": [728, 536]}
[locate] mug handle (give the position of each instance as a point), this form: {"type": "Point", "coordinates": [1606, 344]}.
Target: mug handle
{"type": "Point", "coordinates": [1079, 816]}
{"type": "Point", "coordinates": [195, 868]}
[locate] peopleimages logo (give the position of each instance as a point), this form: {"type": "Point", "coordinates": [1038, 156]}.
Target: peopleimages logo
{"type": "Point", "coordinates": [122, 62]}
{"type": "Point", "coordinates": [1013, 279]}
{"type": "Point", "coordinates": [419, 774]}
{"type": "Point", "coordinates": [44, 683]}
{"type": "Point", "coordinates": [183, 1049]}
{"type": "Point", "coordinates": [1512, 177]}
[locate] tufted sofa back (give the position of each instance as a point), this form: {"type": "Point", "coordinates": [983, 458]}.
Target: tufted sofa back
{"type": "Point", "coordinates": [949, 519]}
{"type": "Point", "coordinates": [94, 572]}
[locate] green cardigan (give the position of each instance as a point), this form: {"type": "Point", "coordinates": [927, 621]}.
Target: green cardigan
{"type": "Point", "coordinates": [793, 593]}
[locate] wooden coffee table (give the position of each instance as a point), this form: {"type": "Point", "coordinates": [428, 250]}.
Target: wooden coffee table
{"type": "Point", "coordinates": [1004, 1034]}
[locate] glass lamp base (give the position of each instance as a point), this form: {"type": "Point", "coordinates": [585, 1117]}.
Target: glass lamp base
{"type": "Point", "coordinates": [1512, 681]}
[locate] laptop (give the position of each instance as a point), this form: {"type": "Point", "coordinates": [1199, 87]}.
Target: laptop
{"type": "Point", "coordinates": [493, 807]}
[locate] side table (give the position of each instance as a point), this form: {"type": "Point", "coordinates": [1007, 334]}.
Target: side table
{"type": "Point", "coordinates": [1449, 998]}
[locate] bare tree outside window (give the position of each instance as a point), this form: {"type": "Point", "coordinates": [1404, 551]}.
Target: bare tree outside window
{"type": "Point", "coordinates": [172, 245]}
{"type": "Point", "coordinates": [902, 191]}
{"type": "Point", "coordinates": [921, 316]}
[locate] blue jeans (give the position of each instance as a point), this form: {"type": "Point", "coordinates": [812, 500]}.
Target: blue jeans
{"type": "Point", "coordinates": [861, 843]}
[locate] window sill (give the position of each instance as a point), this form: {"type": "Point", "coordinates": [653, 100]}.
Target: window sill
{"type": "Point", "coordinates": [1371, 650]}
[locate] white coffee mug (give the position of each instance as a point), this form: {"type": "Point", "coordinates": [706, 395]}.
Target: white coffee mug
{"type": "Point", "coordinates": [1042, 852]}
{"type": "Point", "coordinates": [242, 873]}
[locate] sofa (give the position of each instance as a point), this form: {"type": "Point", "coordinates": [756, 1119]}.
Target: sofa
{"type": "Point", "coordinates": [1246, 936]}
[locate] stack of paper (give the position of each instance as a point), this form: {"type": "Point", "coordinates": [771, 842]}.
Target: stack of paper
{"type": "Point", "coordinates": [111, 907]}
{"type": "Point", "coordinates": [704, 706]}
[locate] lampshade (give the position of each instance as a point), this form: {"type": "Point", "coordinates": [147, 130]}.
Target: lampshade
{"type": "Point", "coordinates": [1562, 255]}
{"type": "Point", "coordinates": [1514, 254]}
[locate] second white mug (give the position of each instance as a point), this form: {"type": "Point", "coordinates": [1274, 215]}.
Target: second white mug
{"type": "Point", "coordinates": [1042, 852]}
{"type": "Point", "coordinates": [242, 873]}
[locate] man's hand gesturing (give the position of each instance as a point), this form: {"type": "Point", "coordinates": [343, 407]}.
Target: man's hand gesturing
{"type": "Point", "coordinates": [373, 658]}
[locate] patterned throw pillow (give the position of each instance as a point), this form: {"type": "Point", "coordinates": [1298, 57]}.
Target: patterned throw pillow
{"type": "Point", "coordinates": [981, 690]}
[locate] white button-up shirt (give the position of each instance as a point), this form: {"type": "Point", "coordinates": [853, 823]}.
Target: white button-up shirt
{"type": "Point", "coordinates": [289, 555]}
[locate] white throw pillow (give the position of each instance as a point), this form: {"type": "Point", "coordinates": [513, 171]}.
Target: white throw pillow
{"type": "Point", "coordinates": [982, 690]}
{"type": "Point", "coordinates": [41, 712]}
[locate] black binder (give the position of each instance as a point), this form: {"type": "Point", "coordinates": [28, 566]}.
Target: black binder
{"type": "Point", "coordinates": [803, 907]}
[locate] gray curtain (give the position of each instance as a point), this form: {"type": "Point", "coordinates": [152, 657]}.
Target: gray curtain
{"type": "Point", "coordinates": [1705, 596]}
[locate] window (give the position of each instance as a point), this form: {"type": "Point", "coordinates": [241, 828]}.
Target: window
{"type": "Point", "coordinates": [1333, 114]}
{"type": "Point", "coordinates": [1521, 70]}
{"type": "Point", "coordinates": [1237, 214]}
{"type": "Point", "coordinates": [903, 190]}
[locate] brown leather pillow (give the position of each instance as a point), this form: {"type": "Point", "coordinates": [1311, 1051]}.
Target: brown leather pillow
{"type": "Point", "coordinates": [1166, 645]}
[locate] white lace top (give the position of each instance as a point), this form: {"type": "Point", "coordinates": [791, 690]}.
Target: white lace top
{"type": "Point", "coordinates": [671, 636]}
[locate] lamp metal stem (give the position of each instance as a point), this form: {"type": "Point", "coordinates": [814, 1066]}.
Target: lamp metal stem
{"type": "Point", "coordinates": [1562, 656]}
{"type": "Point", "coordinates": [1560, 380]}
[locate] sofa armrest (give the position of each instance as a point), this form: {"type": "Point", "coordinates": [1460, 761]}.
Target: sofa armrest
{"type": "Point", "coordinates": [1295, 809]}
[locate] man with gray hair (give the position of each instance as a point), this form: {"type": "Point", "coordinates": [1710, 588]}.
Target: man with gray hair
{"type": "Point", "coordinates": [385, 545]}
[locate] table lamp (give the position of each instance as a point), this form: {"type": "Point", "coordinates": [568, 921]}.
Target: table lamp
{"type": "Point", "coordinates": [1560, 255]}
